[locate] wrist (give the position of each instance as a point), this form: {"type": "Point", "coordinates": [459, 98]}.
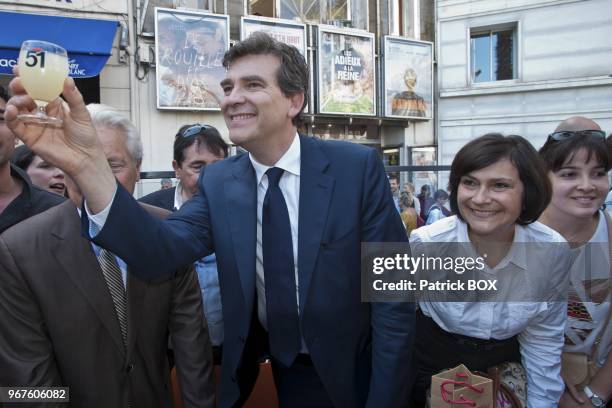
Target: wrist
{"type": "Point", "coordinates": [97, 184]}
{"type": "Point", "coordinates": [593, 397]}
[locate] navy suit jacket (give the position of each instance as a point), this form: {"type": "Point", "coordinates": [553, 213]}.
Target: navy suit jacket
{"type": "Point", "coordinates": [160, 198]}
{"type": "Point", "coordinates": [361, 351]}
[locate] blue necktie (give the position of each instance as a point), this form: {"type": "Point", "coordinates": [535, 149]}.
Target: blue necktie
{"type": "Point", "coordinates": [279, 274]}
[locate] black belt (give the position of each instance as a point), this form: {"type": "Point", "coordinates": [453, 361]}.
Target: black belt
{"type": "Point", "coordinates": [473, 342]}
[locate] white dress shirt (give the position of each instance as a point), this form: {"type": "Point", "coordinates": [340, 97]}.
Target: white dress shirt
{"type": "Point", "coordinates": [290, 187]}
{"type": "Point", "coordinates": [539, 325]}
{"type": "Point", "coordinates": [178, 196]}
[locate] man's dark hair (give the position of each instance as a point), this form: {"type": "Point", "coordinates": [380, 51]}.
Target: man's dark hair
{"type": "Point", "coordinates": [557, 153]}
{"type": "Point", "coordinates": [393, 177]}
{"type": "Point", "coordinates": [440, 194]}
{"type": "Point", "coordinates": [208, 137]}
{"type": "Point", "coordinates": [22, 157]}
{"type": "Point", "coordinates": [493, 147]}
{"type": "Point", "coordinates": [4, 95]}
{"type": "Point", "coordinates": [292, 75]}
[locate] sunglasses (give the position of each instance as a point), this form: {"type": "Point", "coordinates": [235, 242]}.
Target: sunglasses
{"type": "Point", "coordinates": [566, 134]}
{"type": "Point", "coordinates": [194, 130]}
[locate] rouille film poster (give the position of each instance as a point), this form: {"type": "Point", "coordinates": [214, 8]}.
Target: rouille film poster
{"type": "Point", "coordinates": [346, 72]}
{"type": "Point", "coordinates": [189, 53]}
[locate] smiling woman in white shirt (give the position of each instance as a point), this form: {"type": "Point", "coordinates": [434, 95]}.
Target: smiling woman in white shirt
{"type": "Point", "coordinates": [578, 160]}
{"type": "Point", "coordinates": [498, 189]}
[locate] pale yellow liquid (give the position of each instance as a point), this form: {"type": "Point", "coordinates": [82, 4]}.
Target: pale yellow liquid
{"type": "Point", "coordinates": [44, 84]}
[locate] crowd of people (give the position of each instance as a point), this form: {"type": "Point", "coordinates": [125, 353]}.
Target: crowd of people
{"type": "Point", "coordinates": [256, 256]}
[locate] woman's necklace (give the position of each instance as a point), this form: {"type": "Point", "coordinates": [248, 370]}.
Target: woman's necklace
{"type": "Point", "coordinates": [576, 231]}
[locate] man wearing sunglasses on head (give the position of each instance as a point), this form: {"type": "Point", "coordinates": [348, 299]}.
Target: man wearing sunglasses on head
{"type": "Point", "coordinates": [195, 147]}
{"type": "Point", "coordinates": [576, 125]}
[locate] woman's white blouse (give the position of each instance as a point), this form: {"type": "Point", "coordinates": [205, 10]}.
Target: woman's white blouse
{"type": "Point", "coordinates": [539, 324]}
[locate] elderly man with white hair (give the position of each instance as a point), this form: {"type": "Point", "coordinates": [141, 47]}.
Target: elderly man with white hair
{"type": "Point", "coordinates": [73, 316]}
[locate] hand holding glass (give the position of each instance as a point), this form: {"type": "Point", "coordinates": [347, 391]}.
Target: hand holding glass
{"type": "Point", "coordinates": [43, 67]}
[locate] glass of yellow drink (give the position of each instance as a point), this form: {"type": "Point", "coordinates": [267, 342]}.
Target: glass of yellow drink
{"type": "Point", "coordinates": [43, 67]}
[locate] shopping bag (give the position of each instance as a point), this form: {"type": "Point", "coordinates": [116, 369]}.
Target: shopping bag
{"type": "Point", "coordinates": [460, 388]}
{"type": "Point", "coordinates": [509, 384]}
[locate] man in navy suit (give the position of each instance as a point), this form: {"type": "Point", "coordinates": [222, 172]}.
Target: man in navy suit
{"type": "Point", "coordinates": [286, 222]}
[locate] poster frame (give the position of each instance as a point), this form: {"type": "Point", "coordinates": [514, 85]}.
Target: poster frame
{"type": "Point", "coordinates": [322, 29]}
{"type": "Point", "coordinates": [408, 42]}
{"type": "Point", "coordinates": [269, 21]}
{"type": "Point", "coordinates": [203, 15]}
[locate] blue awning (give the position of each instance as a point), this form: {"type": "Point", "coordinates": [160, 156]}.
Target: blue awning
{"type": "Point", "coordinates": [87, 41]}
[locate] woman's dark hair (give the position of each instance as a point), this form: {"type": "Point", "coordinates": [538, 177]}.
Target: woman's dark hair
{"type": "Point", "coordinates": [208, 137]}
{"type": "Point", "coordinates": [425, 191]}
{"type": "Point", "coordinates": [557, 153]}
{"type": "Point", "coordinates": [22, 157]}
{"type": "Point", "coordinates": [493, 147]}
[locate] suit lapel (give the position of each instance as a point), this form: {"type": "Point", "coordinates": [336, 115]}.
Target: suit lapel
{"type": "Point", "coordinates": [241, 203]}
{"type": "Point", "coordinates": [77, 258]}
{"type": "Point", "coordinates": [316, 189]}
{"type": "Point", "coordinates": [136, 291]}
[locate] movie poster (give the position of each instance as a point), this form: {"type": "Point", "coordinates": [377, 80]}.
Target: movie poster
{"type": "Point", "coordinates": [189, 49]}
{"type": "Point", "coordinates": [346, 72]}
{"type": "Point", "coordinates": [408, 78]}
{"type": "Point", "coordinates": [288, 32]}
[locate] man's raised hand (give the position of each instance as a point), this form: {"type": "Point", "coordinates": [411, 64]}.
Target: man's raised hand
{"type": "Point", "coordinates": [72, 146]}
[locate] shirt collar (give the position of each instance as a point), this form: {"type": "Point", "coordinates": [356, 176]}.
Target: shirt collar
{"type": "Point", "coordinates": [601, 232]}
{"type": "Point", "coordinates": [517, 253]}
{"type": "Point", "coordinates": [290, 161]}
{"type": "Point", "coordinates": [178, 196]}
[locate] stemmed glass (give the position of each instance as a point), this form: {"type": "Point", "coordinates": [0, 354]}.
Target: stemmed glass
{"type": "Point", "coordinates": [43, 67]}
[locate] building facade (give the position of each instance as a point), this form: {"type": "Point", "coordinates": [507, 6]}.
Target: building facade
{"type": "Point", "coordinates": [128, 80]}
{"type": "Point", "coordinates": [520, 67]}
